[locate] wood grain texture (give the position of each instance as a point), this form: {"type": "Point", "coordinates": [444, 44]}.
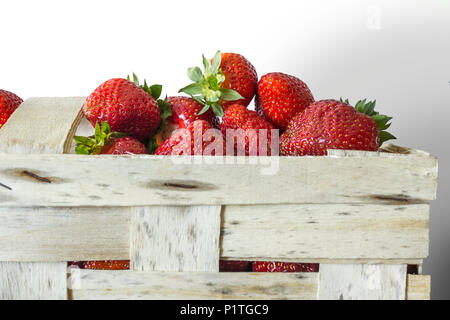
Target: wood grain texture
{"type": "Point", "coordinates": [33, 281]}
{"type": "Point", "coordinates": [42, 125]}
{"type": "Point", "coordinates": [64, 234]}
{"type": "Point", "coordinates": [156, 180]}
{"type": "Point", "coordinates": [297, 233]}
{"type": "Point", "coordinates": [361, 282]}
{"type": "Point", "coordinates": [54, 121]}
{"type": "Point", "coordinates": [418, 287]}
{"type": "Point", "coordinates": [91, 284]}
{"type": "Point", "coordinates": [175, 238]}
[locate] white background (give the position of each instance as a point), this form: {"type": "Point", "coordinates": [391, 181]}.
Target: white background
{"type": "Point", "coordinates": [395, 52]}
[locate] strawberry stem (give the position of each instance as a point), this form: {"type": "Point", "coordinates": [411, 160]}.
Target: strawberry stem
{"type": "Point", "coordinates": [207, 85]}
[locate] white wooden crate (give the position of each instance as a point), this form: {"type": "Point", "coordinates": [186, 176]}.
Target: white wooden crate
{"type": "Point", "coordinates": [362, 215]}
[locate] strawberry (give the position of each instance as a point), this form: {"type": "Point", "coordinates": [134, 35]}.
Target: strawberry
{"type": "Point", "coordinates": [228, 78]}
{"type": "Point", "coordinates": [237, 117]}
{"type": "Point", "coordinates": [280, 97]}
{"type": "Point", "coordinates": [186, 110]}
{"type": "Point", "coordinates": [199, 138]}
{"type": "Point", "coordinates": [8, 104]}
{"type": "Point", "coordinates": [240, 75]}
{"type": "Point", "coordinates": [274, 266]}
{"type": "Point", "coordinates": [234, 266]}
{"type": "Point", "coordinates": [106, 142]}
{"type": "Point", "coordinates": [125, 107]}
{"type": "Point", "coordinates": [332, 124]}
{"type": "Point", "coordinates": [107, 265]}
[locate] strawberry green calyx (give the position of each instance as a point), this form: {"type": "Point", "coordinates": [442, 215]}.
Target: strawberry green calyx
{"type": "Point", "coordinates": [206, 87]}
{"type": "Point", "coordinates": [155, 91]}
{"type": "Point", "coordinates": [383, 121]}
{"type": "Point", "coordinates": [94, 144]}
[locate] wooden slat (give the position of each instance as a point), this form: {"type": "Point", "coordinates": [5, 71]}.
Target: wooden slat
{"type": "Point", "coordinates": [175, 238]}
{"type": "Point", "coordinates": [301, 233]}
{"type": "Point", "coordinates": [418, 287]}
{"type": "Point", "coordinates": [64, 234]}
{"type": "Point", "coordinates": [42, 125]}
{"type": "Point", "coordinates": [361, 282]}
{"type": "Point", "coordinates": [157, 180]}
{"type": "Point", "coordinates": [91, 284]}
{"type": "Point", "coordinates": [33, 281]}
{"type": "Point", "coordinates": [39, 125]}
{"type": "Point", "coordinates": [326, 231]}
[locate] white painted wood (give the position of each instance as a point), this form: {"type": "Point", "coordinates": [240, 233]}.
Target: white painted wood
{"type": "Point", "coordinates": [157, 180]}
{"type": "Point", "coordinates": [326, 231]}
{"type": "Point", "coordinates": [64, 234]}
{"type": "Point", "coordinates": [296, 233]}
{"type": "Point", "coordinates": [361, 282]}
{"type": "Point", "coordinates": [175, 238]}
{"type": "Point", "coordinates": [33, 281]}
{"type": "Point", "coordinates": [39, 125]}
{"type": "Point", "coordinates": [42, 125]}
{"type": "Point", "coordinates": [418, 287]}
{"type": "Point", "coordinates": [90, 284]}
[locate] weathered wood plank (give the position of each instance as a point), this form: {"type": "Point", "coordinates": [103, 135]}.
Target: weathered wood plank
{"type": "Point", "coordinates": [54, 121]}
{"type": "Point", "coordinates": [175, 238]}
{"type": "Point", "coordinates": [64, 234]}
{"type": "Point", "coordinates": [297, 233]}
{"type": "Point", "coordinates": [157, 180]}
{"type": "Point", "coordinates": [91, 284]}
{"type": "Point", "coordinates": [33, 281]}
{"type": "Point", "coordinates": [418, 287]}
{"type": "Point", "coordinates": [361, 282]}
{"type": "Point", "coordinates": [326, 231]}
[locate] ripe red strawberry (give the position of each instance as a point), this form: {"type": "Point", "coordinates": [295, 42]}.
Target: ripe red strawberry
{"type": "Point", "coordinates": [332, 124]}
{"type": "Point", "coordinates": [199, 138]}
{"type": "Point", "coordinates": [106, 142]}
{"type": "Point", "coordinates": [107, 265]}
{"type": "Point", "coordinates": [124, 145]}
{"type": "Point", "coordinates": [228, 78]}
{"type": "Point", "coordinates": [239, 117]}
{"type": "Point", "coordinates": [240, 75]}
{"type": "Point", "coordinates": [8, 104]}
{"type": "Point", "coordinates": [186, 110]}
{"type": "Point", "coordinates": [274, 266]}
{"type": "Point", "coordinates": [280, 97]}
{"type": "Point", "coordinates": [125, 107]}
{"type": "Point", "coordinates": [234, 266]}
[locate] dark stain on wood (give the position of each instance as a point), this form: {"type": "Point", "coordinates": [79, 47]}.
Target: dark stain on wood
{"type": "Point", "coordinates": [343, 213]}
{"type": "Point", "coordinates": [35, 176]}
{"type": "Point", "coordinates": [180, 185]}
{"type": "Point", "coordinates": [394, 199]}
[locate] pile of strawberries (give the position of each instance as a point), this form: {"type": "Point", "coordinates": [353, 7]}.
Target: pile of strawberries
{"type": "Point", "coordinates": [131, 118]}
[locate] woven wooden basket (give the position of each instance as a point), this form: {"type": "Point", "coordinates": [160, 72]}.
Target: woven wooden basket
{"type": "Point", "coordinates": [362, 215]}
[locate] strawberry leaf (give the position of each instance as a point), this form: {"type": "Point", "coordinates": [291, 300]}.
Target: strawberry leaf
{"type": "Point", "coordinates": [385, 136]}
{"type": "Point", "coordinates": [216, 62]}
{"type": "Point", "coordinates": [230, 95]}
{"type": "Point", "coordinates": [381, 120]}
{"type": "Point", "coordinates": [217, 109]}
{"type": "Point", "coordinates": [156, 90]}
{"type": "Point", "coordinates": [204, 109]}
{"type": "Point", "coordinates": [195, 74]}
{"type": "Point", "coordinates": [193, 89]}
